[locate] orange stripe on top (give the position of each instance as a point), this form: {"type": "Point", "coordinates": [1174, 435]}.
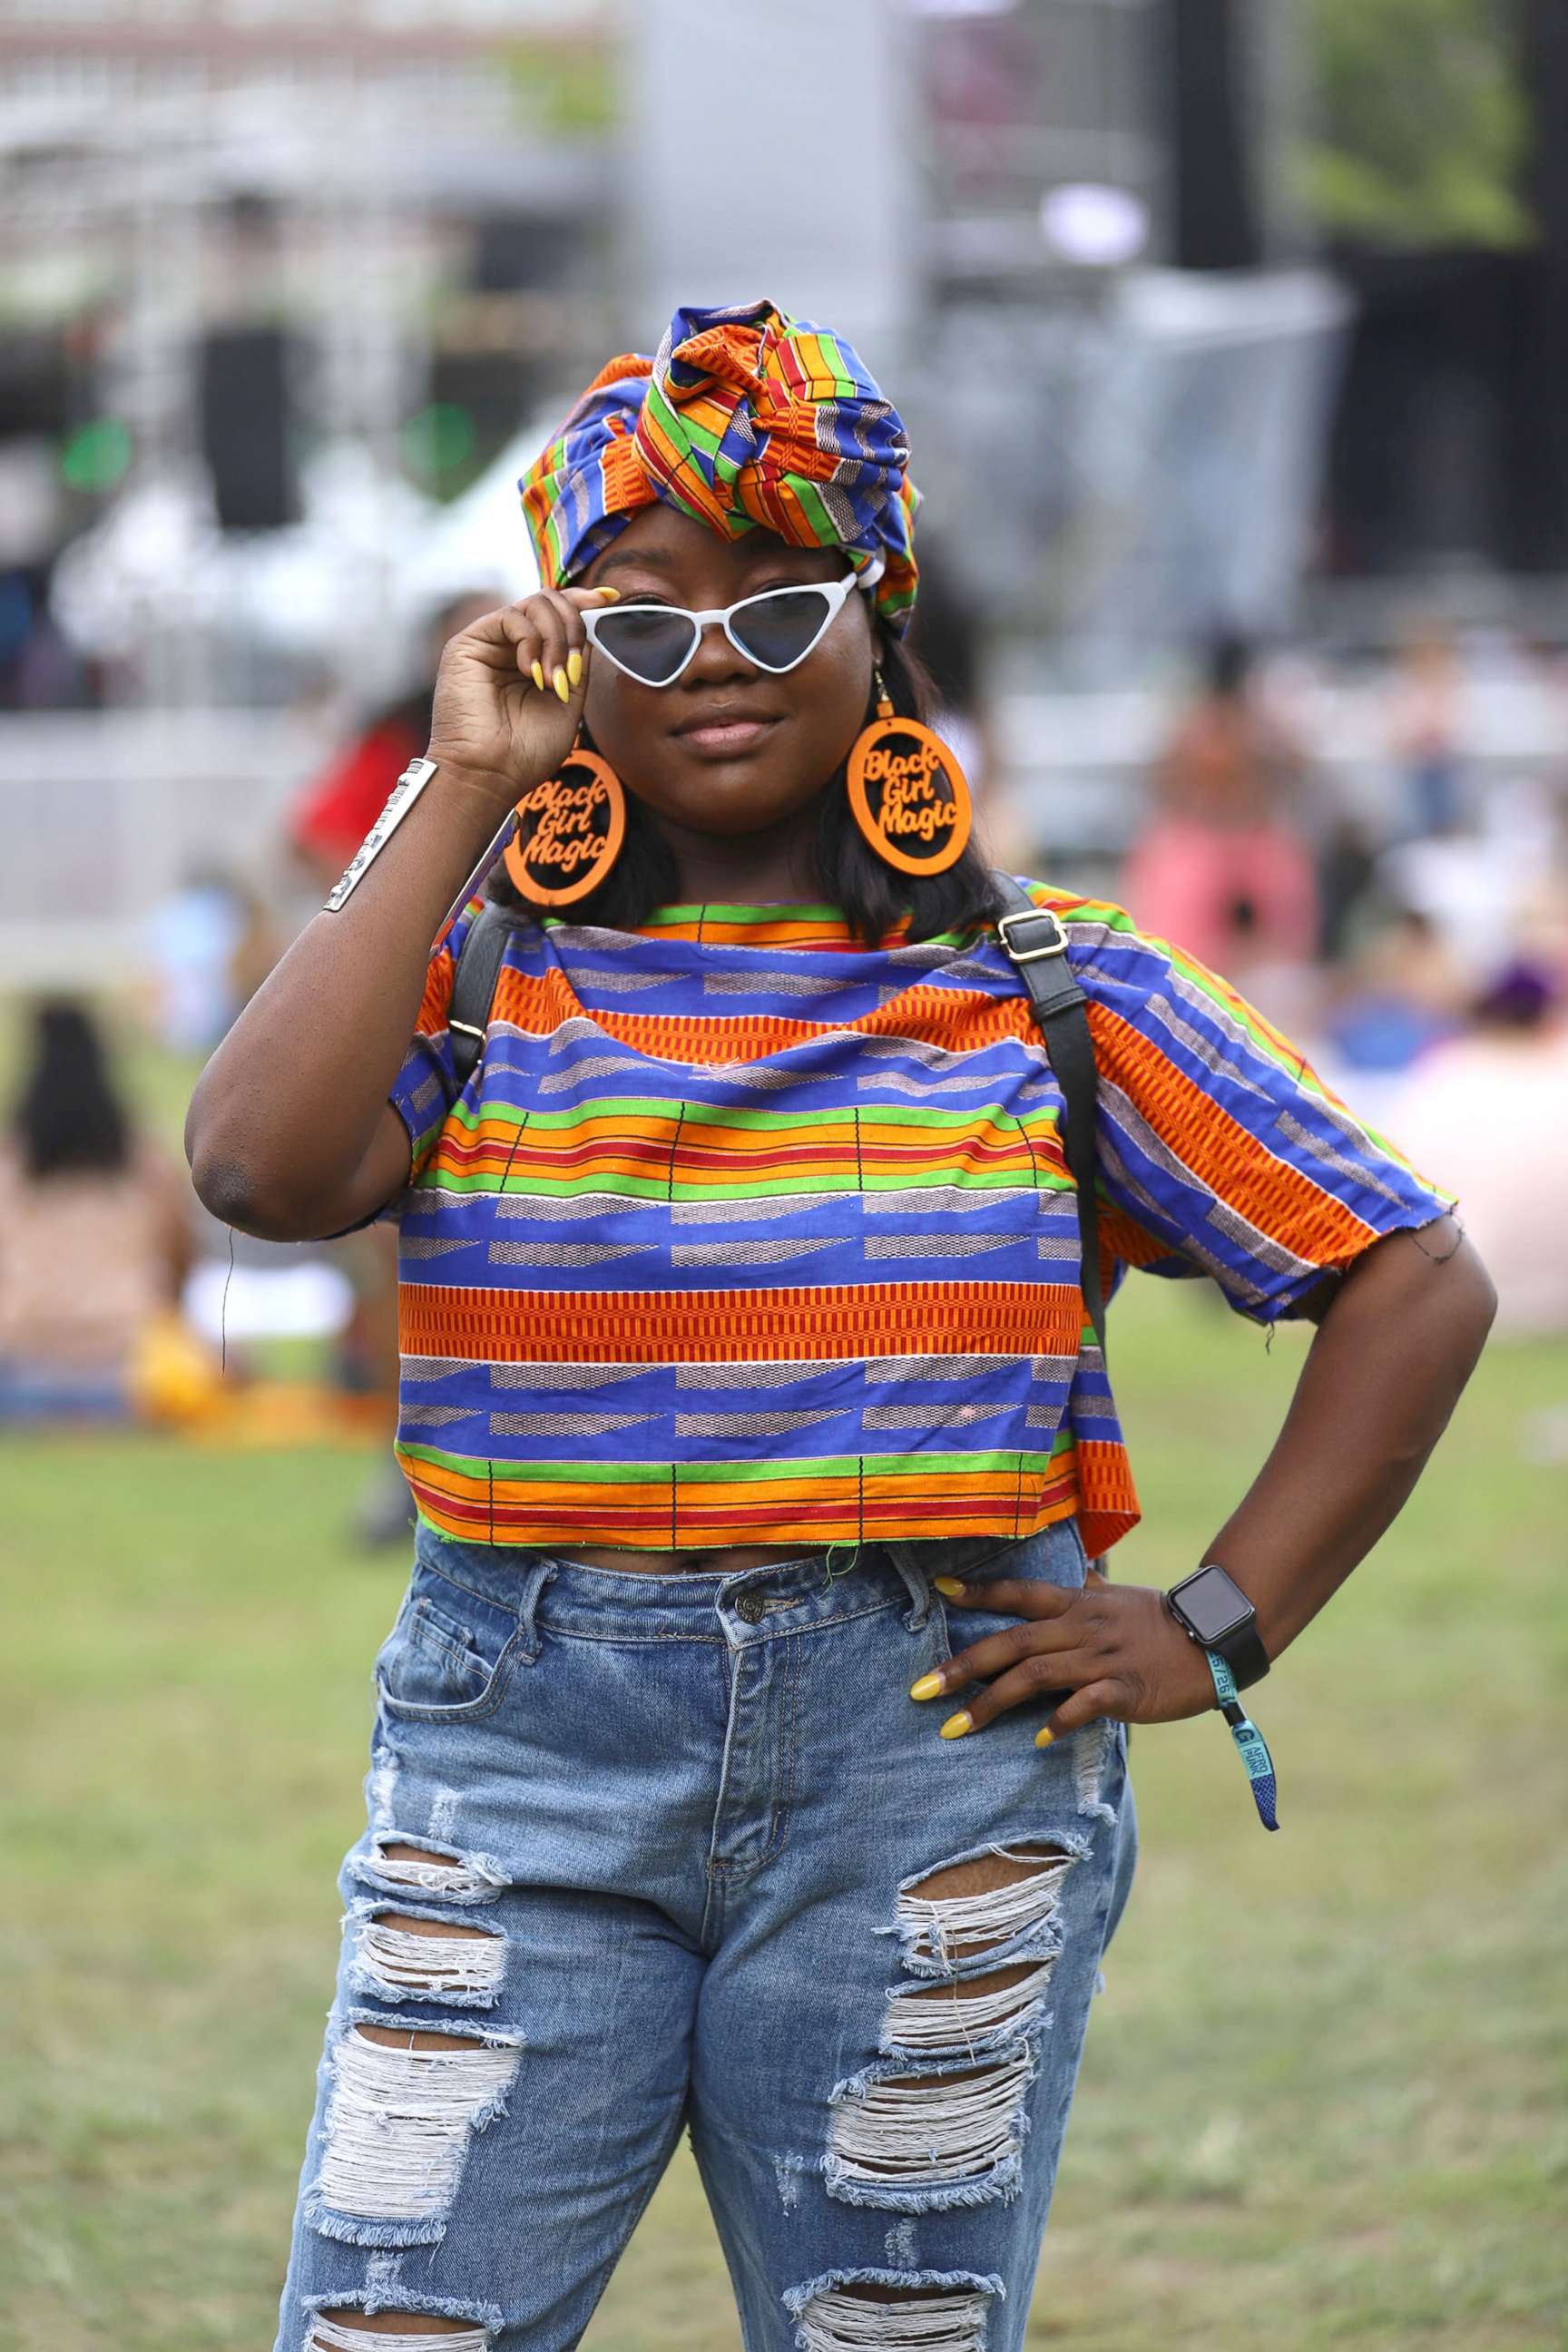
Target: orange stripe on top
{"type": "Point", "coordinates": [1278, 1200]}
{"type": "Point", "coordinates": [719, 1326]}
{"type": "Point", "coordinates": [955, 1021]}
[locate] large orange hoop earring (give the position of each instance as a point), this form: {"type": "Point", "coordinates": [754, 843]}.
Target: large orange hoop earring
{"type": "Point", "coordinates": [569, 832]}
{"type": "Point", "coordinates": [908, 794]}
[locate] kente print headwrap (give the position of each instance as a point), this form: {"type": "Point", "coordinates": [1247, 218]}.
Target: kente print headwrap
{"type": "Point", "coordinates": [745, 417]}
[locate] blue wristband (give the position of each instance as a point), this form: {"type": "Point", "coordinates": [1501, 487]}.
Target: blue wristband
{"type": "Point", "coordinates": [1254, 1747]}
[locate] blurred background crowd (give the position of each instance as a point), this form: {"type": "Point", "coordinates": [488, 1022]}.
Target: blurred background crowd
{"type": "Point", "coordinates": [1231, 335]}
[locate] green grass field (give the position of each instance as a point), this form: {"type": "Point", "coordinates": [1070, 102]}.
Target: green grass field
{"type": "Point", "coordinates": [1321, 2104]}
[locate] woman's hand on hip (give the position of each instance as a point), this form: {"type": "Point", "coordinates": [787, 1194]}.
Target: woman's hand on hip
{"type": "Point", "coordinates": [510, 690]}
{"type": "Point", "coordinates": [1114, 1648]}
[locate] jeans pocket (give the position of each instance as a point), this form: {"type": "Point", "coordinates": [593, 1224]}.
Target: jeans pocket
{"type": "Point", "coordinates": [449, 1654]}
{"type": "Point", "coordinates": [1056, 1556]}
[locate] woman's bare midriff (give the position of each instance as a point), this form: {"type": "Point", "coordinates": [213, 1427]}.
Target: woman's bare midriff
{"type": "Point", "coordinates": [670, 1563]}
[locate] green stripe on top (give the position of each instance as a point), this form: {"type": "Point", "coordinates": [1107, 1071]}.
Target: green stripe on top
{"type": "Point", "coordinates": [745, 1469]}
{"type": "Point", "coordinates": [838, 1124]}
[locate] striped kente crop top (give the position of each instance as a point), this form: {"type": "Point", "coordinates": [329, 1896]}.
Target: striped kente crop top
{"type": "Point", "coordinates": [743, 1233]}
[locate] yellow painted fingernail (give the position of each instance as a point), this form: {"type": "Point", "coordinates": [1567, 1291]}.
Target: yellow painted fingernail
{"type": "Point", "coordinates": [956, 1726]}
{"type": "Point", "coordinates": [537, 674]}
{"type": "Point", "coordinates": [949, 1585]}
{"type": "Point", "coordinates": [574, 667]}
{"type": "Point", "coordinates": [613, 593]}
{"type": "Point", "coordinates": [561, 689]}
{"type": "Point", "coordinates": [927, 1687]}
{"type": "Point", "coordinates": [1044, 1739]}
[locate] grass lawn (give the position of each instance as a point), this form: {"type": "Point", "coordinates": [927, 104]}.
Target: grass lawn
{"type": "Point", "coordinates": [1321, 2104]}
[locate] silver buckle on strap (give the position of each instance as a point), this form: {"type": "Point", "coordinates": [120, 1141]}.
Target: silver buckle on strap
{"type": "Point", "coordinates": [1058, 941]}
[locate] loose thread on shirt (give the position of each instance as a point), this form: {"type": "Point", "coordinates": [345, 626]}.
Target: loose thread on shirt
{"type": "Point", "coordinates": [1028, 1142]}
{"type": "Point", "coordinates": [223, 1309]}
{"type": "Point", "coordinates": [834, 1574]}
{"type": "Point", "coordinates": [516, 1142]}
{"type": "Point", "coordinates": [1441, 1257]}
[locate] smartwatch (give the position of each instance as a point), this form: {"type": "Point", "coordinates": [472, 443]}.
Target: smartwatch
{"type": "Point", "coordinates": [1213, 1610]}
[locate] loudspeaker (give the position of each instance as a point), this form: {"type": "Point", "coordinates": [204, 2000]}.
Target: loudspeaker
{"type": "Point", "coordinates": [243, 393]}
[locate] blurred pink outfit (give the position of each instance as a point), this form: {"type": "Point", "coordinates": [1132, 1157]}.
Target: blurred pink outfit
{"type": "Point", "coordinates": [1184, 880]}
{"type": "Point", "coordinates": [86, 1263]}
{"type": "Point", "coordinates": [1493, 1111]}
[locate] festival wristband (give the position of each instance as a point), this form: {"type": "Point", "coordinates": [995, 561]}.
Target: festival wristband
{"type": "Point", "coordinates": [405, 793]}
{"type": "Point", "coordinates": [1254, 1747]}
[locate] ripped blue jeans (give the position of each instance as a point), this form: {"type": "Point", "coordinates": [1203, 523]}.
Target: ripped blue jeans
{"type": "Point", "coordinates": [702, 1862]}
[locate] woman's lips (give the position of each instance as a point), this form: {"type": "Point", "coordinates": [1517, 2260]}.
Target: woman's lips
{"type": "Point", "coordinates": [725, 736]}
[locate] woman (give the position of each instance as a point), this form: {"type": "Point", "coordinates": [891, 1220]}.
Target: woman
{"type": "Point", "coordinates": [1222, 865]}
{"type": "Point", "coordinates": [741, 1325]}
{"type": "Point", "coordinates": [97, 1243]}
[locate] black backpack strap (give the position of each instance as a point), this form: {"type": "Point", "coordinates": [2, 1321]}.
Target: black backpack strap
{"type": "Point", "coordinates": [474, 985]}
{"type": "Point", "coordinates": [1035, 945]}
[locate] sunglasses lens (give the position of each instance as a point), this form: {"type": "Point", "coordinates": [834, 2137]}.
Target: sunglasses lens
{"type": "Point", "coordinates": [647, 640]}
{"type": "Point", "coordinates": [778, 631]}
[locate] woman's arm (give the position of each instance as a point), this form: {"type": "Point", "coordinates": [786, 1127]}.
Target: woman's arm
{"type": "Point", "coordinates": [290, 1134]}
{"type": "Point", "coordinates": [1396, 1343]}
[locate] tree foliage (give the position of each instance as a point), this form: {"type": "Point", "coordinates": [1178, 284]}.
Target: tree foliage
{"type": "Point", "coordinates": [1421, 123]}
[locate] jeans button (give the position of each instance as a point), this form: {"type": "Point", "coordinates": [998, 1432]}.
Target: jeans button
{"type": "Point", "coordinates": [749, 1608]}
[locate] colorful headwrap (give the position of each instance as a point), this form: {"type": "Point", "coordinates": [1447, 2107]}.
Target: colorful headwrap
{"type": "Point", "coordinates": [745, 417]}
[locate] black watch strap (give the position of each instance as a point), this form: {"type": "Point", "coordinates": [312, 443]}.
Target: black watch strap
{"type": "Point", "coordinates": [1245, 1655]}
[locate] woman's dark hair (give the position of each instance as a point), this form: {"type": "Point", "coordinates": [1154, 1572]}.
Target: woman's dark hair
{"type": "Point", "coordinates": [68, 1120]}
{"type": "Point", "coordinates": [871, 896]}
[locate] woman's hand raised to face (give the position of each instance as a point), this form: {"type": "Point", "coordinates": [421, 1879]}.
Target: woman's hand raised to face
{"type": "Point", "coordinates": [509, 691]}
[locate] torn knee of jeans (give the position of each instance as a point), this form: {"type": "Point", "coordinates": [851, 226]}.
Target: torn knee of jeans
{"type": "Point", "coordinates": [893, 2311]}
{"type": "Point", "coordinates": [384, 2315]}
{"type": "Point", "coordinates": [994, 1903]}
{"type": "Point", "coordinates": [342, 2330]}
{"type": "Point", "coordinates": [973, 2014]}
{"type": "Point", "coordinates": [403, 2108]}
{"type": "Point", "coordinates": [950, 2135]}
{"type": "Point", "coordinates": [414, 1865]}
{"type": "Point", "coordinates": [982, 1936]}
{"type": "Point", "coordinates": [430, 1955]}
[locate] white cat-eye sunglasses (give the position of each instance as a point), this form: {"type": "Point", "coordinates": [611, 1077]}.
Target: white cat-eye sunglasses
{"type": "Point", "coordinates": [653, 643]}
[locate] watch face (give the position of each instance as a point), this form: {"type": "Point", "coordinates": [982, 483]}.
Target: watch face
{"type": "Point", "coordinates": [1212, 1604]}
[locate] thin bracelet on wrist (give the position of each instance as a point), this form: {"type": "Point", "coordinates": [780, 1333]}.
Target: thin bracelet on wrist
{"type": "Point", "coordinates": [405, 793]}
{"type": "Point", "coordinates": [408, 788]}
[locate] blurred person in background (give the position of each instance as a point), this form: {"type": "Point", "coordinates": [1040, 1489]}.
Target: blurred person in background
{"type": "Point", "coordinates": [754, 1396]}
{"type": "Point", "coordinates": [1222, 865]}
{"type": "Point", "coordinates": [95, 1245]}
{"type": "Point", "coordinates": [338, 807]}
{"type": "Point", "coordinates": [209, 946]}
{"type": "Point", "coordinates": [1405, 992]}
{"type": "Point", "coordinates": [1426, 730]}
{"type": "Point", "coordinates": [1494, 1102]}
